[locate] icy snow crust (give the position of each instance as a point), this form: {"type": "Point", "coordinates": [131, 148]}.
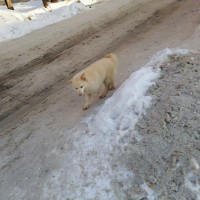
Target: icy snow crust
{"type": "Point", "coordinates": [95, 164]}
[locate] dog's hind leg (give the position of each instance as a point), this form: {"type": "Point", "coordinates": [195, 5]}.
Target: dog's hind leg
{"type": "Point", "coordinates": [111, 86]}
{"type": "Point", "coordinates": [105, 90]}
{"type": "Point", "coordinates": [109, 82]}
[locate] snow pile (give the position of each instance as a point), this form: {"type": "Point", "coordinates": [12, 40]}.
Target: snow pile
{"type": "Point", "coordinates": [96, 163]}
{"type": "Point", "coordinates": [29, 16]}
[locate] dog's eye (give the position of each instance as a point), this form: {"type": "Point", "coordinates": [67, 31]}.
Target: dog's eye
{"type": "Point", "coordinates": [81, 86]}
{"type": "Point", "coordinates": [76, 88]}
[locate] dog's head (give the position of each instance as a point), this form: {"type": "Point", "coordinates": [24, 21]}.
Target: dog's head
{"type": "Point", "coordinates": [79, 83]}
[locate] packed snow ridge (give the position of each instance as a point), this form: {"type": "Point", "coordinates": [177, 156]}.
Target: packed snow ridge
{"type": "Point", "coordinates": [98, 167]}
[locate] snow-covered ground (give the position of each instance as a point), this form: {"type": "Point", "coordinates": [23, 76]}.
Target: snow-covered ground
{"type": "Point", "coordinates": [31, 15]}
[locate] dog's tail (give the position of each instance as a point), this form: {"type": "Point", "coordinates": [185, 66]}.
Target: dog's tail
{"type": "Point", "coordinates": [113, 57]}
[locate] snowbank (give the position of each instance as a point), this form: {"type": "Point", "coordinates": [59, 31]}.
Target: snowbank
{"type": "Point", "coordinates": [29, 16]}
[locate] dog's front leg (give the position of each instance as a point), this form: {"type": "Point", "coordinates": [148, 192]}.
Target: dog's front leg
{"type": "Point", "coordinates": [88, 98]}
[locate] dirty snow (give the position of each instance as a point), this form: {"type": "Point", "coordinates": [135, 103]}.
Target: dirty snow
{"type": "Point", "coordinates": [98, 167]}
{"type": "Point", "coordinates": [167, 159]}
{"type": "Point", "coordinates": [31, 15]}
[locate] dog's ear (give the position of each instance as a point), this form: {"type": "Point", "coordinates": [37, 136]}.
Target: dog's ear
{"type": "Point", "coordinates": [83, 77]}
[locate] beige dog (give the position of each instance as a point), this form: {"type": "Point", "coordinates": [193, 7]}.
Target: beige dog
{"type": "Point", "coordinates": [98, 78]}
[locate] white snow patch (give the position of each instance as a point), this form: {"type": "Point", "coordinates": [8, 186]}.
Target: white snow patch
{"type": "Point", "coordinates": [90, 2]}
{"type": "Point", "coordinates": [194, 164]}
{"type": "Point", "coordinates": [31, 15]}
{"type": "Point", "coordinates": [96, 161]}
{"type": "Point", "coordinates": [151, 195]}
{"type": "Point", "coordinates": [192, 178]}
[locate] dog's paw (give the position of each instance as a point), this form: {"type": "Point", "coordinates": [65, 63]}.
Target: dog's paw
{"type": "Point", "coordinates": [85, 107]}
{"type": "Point", "coordinates": [111, 87]}
{"type": "Point", "coordinates": [102, 96]}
